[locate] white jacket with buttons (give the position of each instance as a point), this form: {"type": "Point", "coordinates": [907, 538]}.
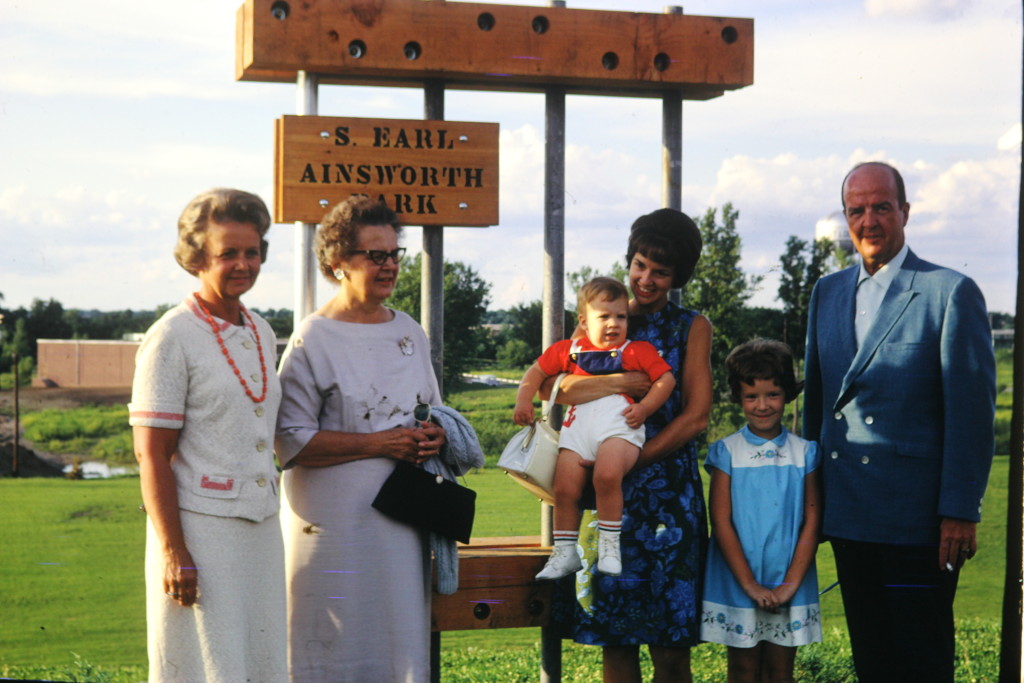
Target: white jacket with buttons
{"type": "Point", "coordinates": [224, 464]}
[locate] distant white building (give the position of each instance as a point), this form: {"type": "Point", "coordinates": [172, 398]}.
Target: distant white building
{"type": "Point", "coordinates": [833, 226]}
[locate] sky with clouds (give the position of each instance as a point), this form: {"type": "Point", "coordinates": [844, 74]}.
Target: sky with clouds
{"type": "Point", "coordinates": [114, 113]}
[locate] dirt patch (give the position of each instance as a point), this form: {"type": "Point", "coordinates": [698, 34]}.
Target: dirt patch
{"type": "Point", "coordinates": [32, 399]}
{"type": "Point", "coordinates": [40, 398]}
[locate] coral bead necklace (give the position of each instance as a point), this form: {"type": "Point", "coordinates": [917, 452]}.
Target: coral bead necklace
{"type": "Point", "coordinates": [231, 361]}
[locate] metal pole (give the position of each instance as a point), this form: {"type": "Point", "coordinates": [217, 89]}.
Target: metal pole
{"type": "Point", "coordinates": [432, 304]}
{"type": "Point", "coordinates": [17, 418]}
{"type": "Point", "coordinates": [1010, 639]}
{"type": "Point", "coordinates": [553, 322]}
{"type": "Point", "coordinates": [672, 153]}
{"type": "Point", "coordinates": [305, 272]}
{"type": "Point", "coordinates": [553, 305]}
{"type": "Point", "coordinates": [432, 274]}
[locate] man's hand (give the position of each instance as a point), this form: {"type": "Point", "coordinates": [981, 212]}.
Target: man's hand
{"type": "Point", "coordinates": [958, 542]}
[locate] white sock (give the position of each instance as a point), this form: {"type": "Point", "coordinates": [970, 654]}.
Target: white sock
{"type": "Point", "coordinates": [563, 537]}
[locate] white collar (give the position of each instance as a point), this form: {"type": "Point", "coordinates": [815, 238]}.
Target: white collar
{"type": "Point", "coordinates": [888, 272]}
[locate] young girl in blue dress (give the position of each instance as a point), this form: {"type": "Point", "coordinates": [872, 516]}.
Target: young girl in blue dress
{"type": "Point", "coordinates": [761, 587]}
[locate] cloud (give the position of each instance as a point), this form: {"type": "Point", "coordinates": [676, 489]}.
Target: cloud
{"type": "Point", "coordinates": [928, 9]}
{"type": "Point", "coordinates": [961, 211]}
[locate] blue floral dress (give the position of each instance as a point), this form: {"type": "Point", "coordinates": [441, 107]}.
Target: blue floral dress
{"type": "Point", "coordinates": [657, 598]}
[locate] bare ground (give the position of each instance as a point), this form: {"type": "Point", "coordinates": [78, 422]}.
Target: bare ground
{"type": "Point", "coordinates": [31, 399]}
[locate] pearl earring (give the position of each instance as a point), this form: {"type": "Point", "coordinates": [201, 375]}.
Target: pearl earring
{"type": "Point", "coordinates": [339, 274]}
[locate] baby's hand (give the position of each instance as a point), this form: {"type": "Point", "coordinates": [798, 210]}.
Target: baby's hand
{"type": "Point", "coordinates": [523, 414]}
{"type": "Point", "coordinates": [635, 415]}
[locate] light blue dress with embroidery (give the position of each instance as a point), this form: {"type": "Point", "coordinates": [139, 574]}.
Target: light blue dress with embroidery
{"type": "Point", "coordinates": [767, 486]}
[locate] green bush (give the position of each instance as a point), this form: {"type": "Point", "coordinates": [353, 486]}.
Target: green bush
{"type": "Point", "coordinates": [118, 449]}
{"type": "Point", "coordinates": [100, 432]}
{"type": "Point", "coordinates": [26, 368]}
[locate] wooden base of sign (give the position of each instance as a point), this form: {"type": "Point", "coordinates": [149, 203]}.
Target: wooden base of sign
{"type": "Point", "coordinates": [497, 588]}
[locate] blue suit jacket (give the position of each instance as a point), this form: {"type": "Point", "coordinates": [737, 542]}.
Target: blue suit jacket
{"type": "Point", "coordinates": [905, 422]}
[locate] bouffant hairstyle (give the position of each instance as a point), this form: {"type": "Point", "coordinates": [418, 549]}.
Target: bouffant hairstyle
{"type": "Point", "coordinates": [766, 359]}
{"type": "Point", "coordinates": [600, 288]}
{"type": "Point", "coordinates": [218, 205]}
{"type": "Point", "coordinates": [669, 237]}
{"type": "Point", "coordinates": [338, 235]}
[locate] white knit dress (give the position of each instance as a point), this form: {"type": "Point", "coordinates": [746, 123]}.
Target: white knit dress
{"type": "Point", "coordinates": [358, 581]}
{"type": "Point", "coordinates": [228, 499]}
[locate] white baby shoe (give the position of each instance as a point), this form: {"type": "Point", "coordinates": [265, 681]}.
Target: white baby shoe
{"type": "Point", "coordinates": [609, 561]}
{"type": "Point", "coordinates": [563, 561]}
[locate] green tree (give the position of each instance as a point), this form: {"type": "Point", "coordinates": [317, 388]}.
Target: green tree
{"type": "Point", "coordinates": [803, 264]}
{"type": "Point", "coordinates": [525, 323]}
{"type": "Point", "coordinates": [516, 354]}
{"type": "Point", "coordinates": [578, 278]}
{"type": "Point", "coordinates": [466, 296]}
{"type": "Point", "coordinates": [46, 321]}
{"type": "Point", "coordinates": [720, 289]}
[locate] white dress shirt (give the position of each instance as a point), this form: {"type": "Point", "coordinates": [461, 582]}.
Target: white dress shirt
{"type": "Point", "coordinates": [871, 290]}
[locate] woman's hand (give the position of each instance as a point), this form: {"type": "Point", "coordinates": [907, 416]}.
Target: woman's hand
{"type": "Point", "coordinates": [633, 384]}
{"type": "Point", "coordinates": [415, 445]}
{"type": "Point", "coordinates": [434, 439]}
{"type": "Point", "coordinates": [181, 580]}
{"type": "Point", "coordinates": [576, 389]}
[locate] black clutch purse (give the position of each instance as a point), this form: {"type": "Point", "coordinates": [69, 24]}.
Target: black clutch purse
{"type": "Point", "coordinates": [428, 502]}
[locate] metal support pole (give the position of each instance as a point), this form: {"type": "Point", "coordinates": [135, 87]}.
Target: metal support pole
{"type": "Point", "coordinates": [305, 270]}
{"type": "Point", "coordinates": [432, 305]}
{"type": "Point", "coordinates": [17, 416]}
{"type": "Point", "coordinates": [553, 322]}
{"type": "Point", "coordinates": [554, 305]}
{"type": "Point", "coordinates": [1010, 639]}
{"type": "Point", "coordinates": [672, 153]}
{"type": "Point", "coordinates": [432, 274]}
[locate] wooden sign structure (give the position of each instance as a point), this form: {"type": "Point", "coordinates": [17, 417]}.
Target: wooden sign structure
{"type": "Point", "coordinates": [439, 45]}
{"type": "Point", "coordinates": [494, 47]}
{"type": "Point", "coordinates": [429, 172]}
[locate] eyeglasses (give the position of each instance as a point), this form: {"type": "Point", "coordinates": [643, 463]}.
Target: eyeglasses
{"type": "Point", "coordinates": [380, 257]}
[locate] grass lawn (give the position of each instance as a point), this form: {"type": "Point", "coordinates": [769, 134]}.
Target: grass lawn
{"type": "Point", "coordinates": [71, 584]}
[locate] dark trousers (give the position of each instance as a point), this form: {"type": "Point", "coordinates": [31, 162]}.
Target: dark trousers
{"type": "Point", "coordinates": [899, 609]}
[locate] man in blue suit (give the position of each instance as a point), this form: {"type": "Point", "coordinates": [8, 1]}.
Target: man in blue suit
{"type": "Point", "coordinates": [900, 395]}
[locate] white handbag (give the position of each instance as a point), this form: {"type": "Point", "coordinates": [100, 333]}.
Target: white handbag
{"type": "Point", "coordinates": [530, 457]}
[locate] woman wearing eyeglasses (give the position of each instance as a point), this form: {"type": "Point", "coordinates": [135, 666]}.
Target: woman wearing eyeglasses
{"type": "Point", "coordinates": [353, 372]}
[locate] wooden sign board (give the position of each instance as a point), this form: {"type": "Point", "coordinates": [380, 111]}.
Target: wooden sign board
{"type": "Point", "coordinates": [429, 172]}
{"type": "Point", "coordinates": [494, 47]}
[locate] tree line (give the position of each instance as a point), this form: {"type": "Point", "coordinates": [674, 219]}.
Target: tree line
{"type": "Point", "coordinates": [720, 289]}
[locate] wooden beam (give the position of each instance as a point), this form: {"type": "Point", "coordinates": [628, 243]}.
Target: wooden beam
{"type": "Point", "coordinates": [494, 47]}
{"type": "Point", "coordinates": [497, 589]}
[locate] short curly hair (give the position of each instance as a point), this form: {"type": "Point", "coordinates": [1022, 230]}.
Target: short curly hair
{"type": "Point", "coordinates": [767, 359]}
{"type": "Point", "coordinates": [218, 205]}
{"type": "Point", "coordinates": [669, 237]}
{"type": "Point", "coordinates": [338, 235]}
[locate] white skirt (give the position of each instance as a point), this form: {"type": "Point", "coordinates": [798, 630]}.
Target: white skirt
{"type": "Point", "coordinates": [236, 631]}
